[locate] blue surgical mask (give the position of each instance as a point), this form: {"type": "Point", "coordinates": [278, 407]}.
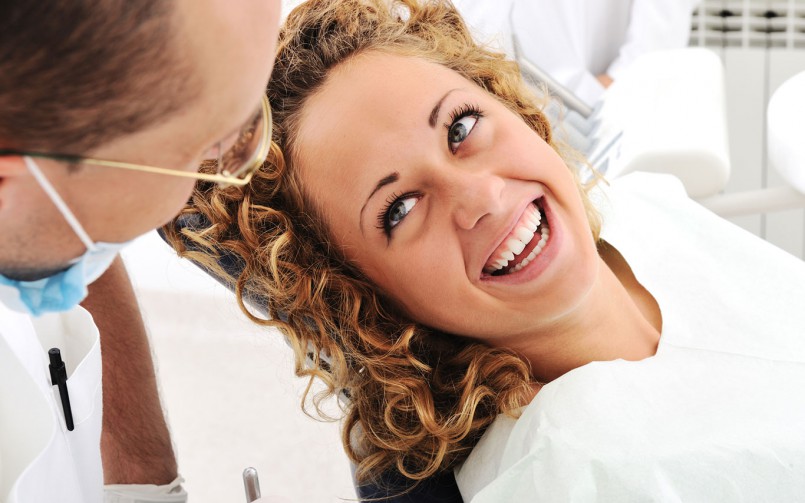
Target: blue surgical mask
{"type": "Point", "coordinates": [64, 290]}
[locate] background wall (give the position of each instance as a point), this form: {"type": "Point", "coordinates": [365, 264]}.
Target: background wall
{"type": "Point", "coordinates": [229, 390]}
{"type": "Point", "coordinates": [762, 43]}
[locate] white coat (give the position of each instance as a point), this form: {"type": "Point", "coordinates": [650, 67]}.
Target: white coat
{"type": "Point", "coordinates": [576, 40]}
{"type": "Point", "coordinates": [40, 461]}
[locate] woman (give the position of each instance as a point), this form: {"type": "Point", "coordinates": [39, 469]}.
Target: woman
{"type": "Point", "coordinates": [416, 233]}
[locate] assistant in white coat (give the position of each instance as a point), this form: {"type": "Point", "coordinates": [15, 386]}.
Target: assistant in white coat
{"type": "Point", "coordinates": [581, 43]}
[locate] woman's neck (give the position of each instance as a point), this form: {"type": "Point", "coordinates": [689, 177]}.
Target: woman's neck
{"type": "Point", "coordinates": [619, 319]}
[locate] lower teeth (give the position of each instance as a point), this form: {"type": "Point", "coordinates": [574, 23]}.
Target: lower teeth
{"type": "Point", "coordinates": [545, 232]}
{"type": "Point", "coordinates": [534, 253]}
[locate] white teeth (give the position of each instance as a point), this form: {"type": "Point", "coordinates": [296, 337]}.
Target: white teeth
{"type": "Point", "coordinates": [516, 246]}
{"type": "Point", "coordinates": [524, 234]}
{"type": "Point", "coordinates": [536, 251]}
{"type": "Point", "coordinates": [532, 221]}
{"type": "Point", "coordinates": [520, 237]}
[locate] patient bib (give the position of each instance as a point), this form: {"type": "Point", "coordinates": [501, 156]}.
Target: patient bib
{"type": "Point", "coordinates": [716, 415]}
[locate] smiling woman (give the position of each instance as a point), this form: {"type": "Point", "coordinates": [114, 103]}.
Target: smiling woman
{"type": "Point", "coordinates": [439, 208]}
{"type": "Point", "coordinates": [328, 229]}
{"type": "Point", "coordinates": [416, 232]}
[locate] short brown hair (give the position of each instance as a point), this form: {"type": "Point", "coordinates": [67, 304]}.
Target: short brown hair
{"type": "Point", "coordinates": [76, 74]}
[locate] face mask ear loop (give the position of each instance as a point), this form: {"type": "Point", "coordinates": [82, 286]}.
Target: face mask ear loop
{"type": "Point", "coordinates": [59, 202]}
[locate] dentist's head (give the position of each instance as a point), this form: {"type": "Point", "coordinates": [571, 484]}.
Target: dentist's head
{"type": "Point", "coordinates": [108, 109]}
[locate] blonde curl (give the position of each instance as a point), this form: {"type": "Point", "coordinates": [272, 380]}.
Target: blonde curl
{"type": "Point", "coordinates": [418, 399]}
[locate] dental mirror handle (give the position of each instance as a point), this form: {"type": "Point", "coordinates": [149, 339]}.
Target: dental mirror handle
{"type": "Point", "coordinates": [251, 484]}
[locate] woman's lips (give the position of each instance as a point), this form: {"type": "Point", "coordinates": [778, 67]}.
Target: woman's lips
{"type": "Point", "coordinates": [543, 260]}
{"type": "Point", "coordinates": [523, 244]}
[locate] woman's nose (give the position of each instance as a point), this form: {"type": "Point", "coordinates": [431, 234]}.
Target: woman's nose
{"type": "Point", "coordinates": [474, 196]}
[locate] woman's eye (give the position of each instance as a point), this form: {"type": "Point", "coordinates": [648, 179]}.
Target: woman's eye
{"type": "Point", "coordinates": [399, 209]}
{"type": "Point", "coordinates": [460, 130]}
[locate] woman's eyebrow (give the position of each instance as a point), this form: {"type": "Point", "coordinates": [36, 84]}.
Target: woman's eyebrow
{"type": "Point", "coordinates": [434, 114]}
{"type": "Point", "coordinates": [386, 180]}
{"type": "Point", "coordinates": [393, 177]}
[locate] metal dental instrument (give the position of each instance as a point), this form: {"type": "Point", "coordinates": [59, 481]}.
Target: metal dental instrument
{"type": "Point", "coordinates": [251, 484]}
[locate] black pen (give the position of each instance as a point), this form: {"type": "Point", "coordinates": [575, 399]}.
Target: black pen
{"type": "Point", "coordinates": [58, 376]}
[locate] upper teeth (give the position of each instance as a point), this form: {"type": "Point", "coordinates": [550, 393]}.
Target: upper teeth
{"type": "Point", "coordinates": [545, 232]}
{"type": "Point", "coordinates": [516, 242]}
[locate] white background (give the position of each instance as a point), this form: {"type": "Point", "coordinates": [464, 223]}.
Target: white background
{"type": "Point", "coordinates": [229, 390]}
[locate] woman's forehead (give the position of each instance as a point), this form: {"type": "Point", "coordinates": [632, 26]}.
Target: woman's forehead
{"type": "Point", "coordinates": [375, 91]}
{"type": "Point", "coordinates": [371, 109]}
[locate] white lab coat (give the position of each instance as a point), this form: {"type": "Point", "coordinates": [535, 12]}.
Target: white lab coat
{"type": "Point", "coordinates": [40, 461]}
{"type": "Point", "coordinates": [576, 40]}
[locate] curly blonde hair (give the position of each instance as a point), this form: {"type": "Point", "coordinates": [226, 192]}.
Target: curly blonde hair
{"type": "Point", "coordinates": [418, 399]}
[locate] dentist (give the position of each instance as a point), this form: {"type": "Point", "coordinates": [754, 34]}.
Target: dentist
{"type": "Point", "coordinates": [107, 108]}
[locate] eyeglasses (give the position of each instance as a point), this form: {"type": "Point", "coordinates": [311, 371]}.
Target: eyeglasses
{"type": "Point", "coordinates": [234, 165]}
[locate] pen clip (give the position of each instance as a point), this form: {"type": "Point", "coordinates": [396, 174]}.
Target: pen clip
{"type": "Point", "coordinates": [251, 484]}
{"type": "Point", "coordinates": [58, 376]}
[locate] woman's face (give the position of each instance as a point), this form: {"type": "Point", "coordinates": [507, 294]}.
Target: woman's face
{"type": "Point", "coordinates": [440, 194]}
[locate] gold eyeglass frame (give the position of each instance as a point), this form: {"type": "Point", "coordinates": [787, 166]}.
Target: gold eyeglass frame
{"type": "Point", "coordinates": [224, 178]}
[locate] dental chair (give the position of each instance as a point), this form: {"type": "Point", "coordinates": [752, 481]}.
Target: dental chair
{"type": "Point", "coordinates": [623, 134]}
{"type": "Point", "coordinates": [665, 114]}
